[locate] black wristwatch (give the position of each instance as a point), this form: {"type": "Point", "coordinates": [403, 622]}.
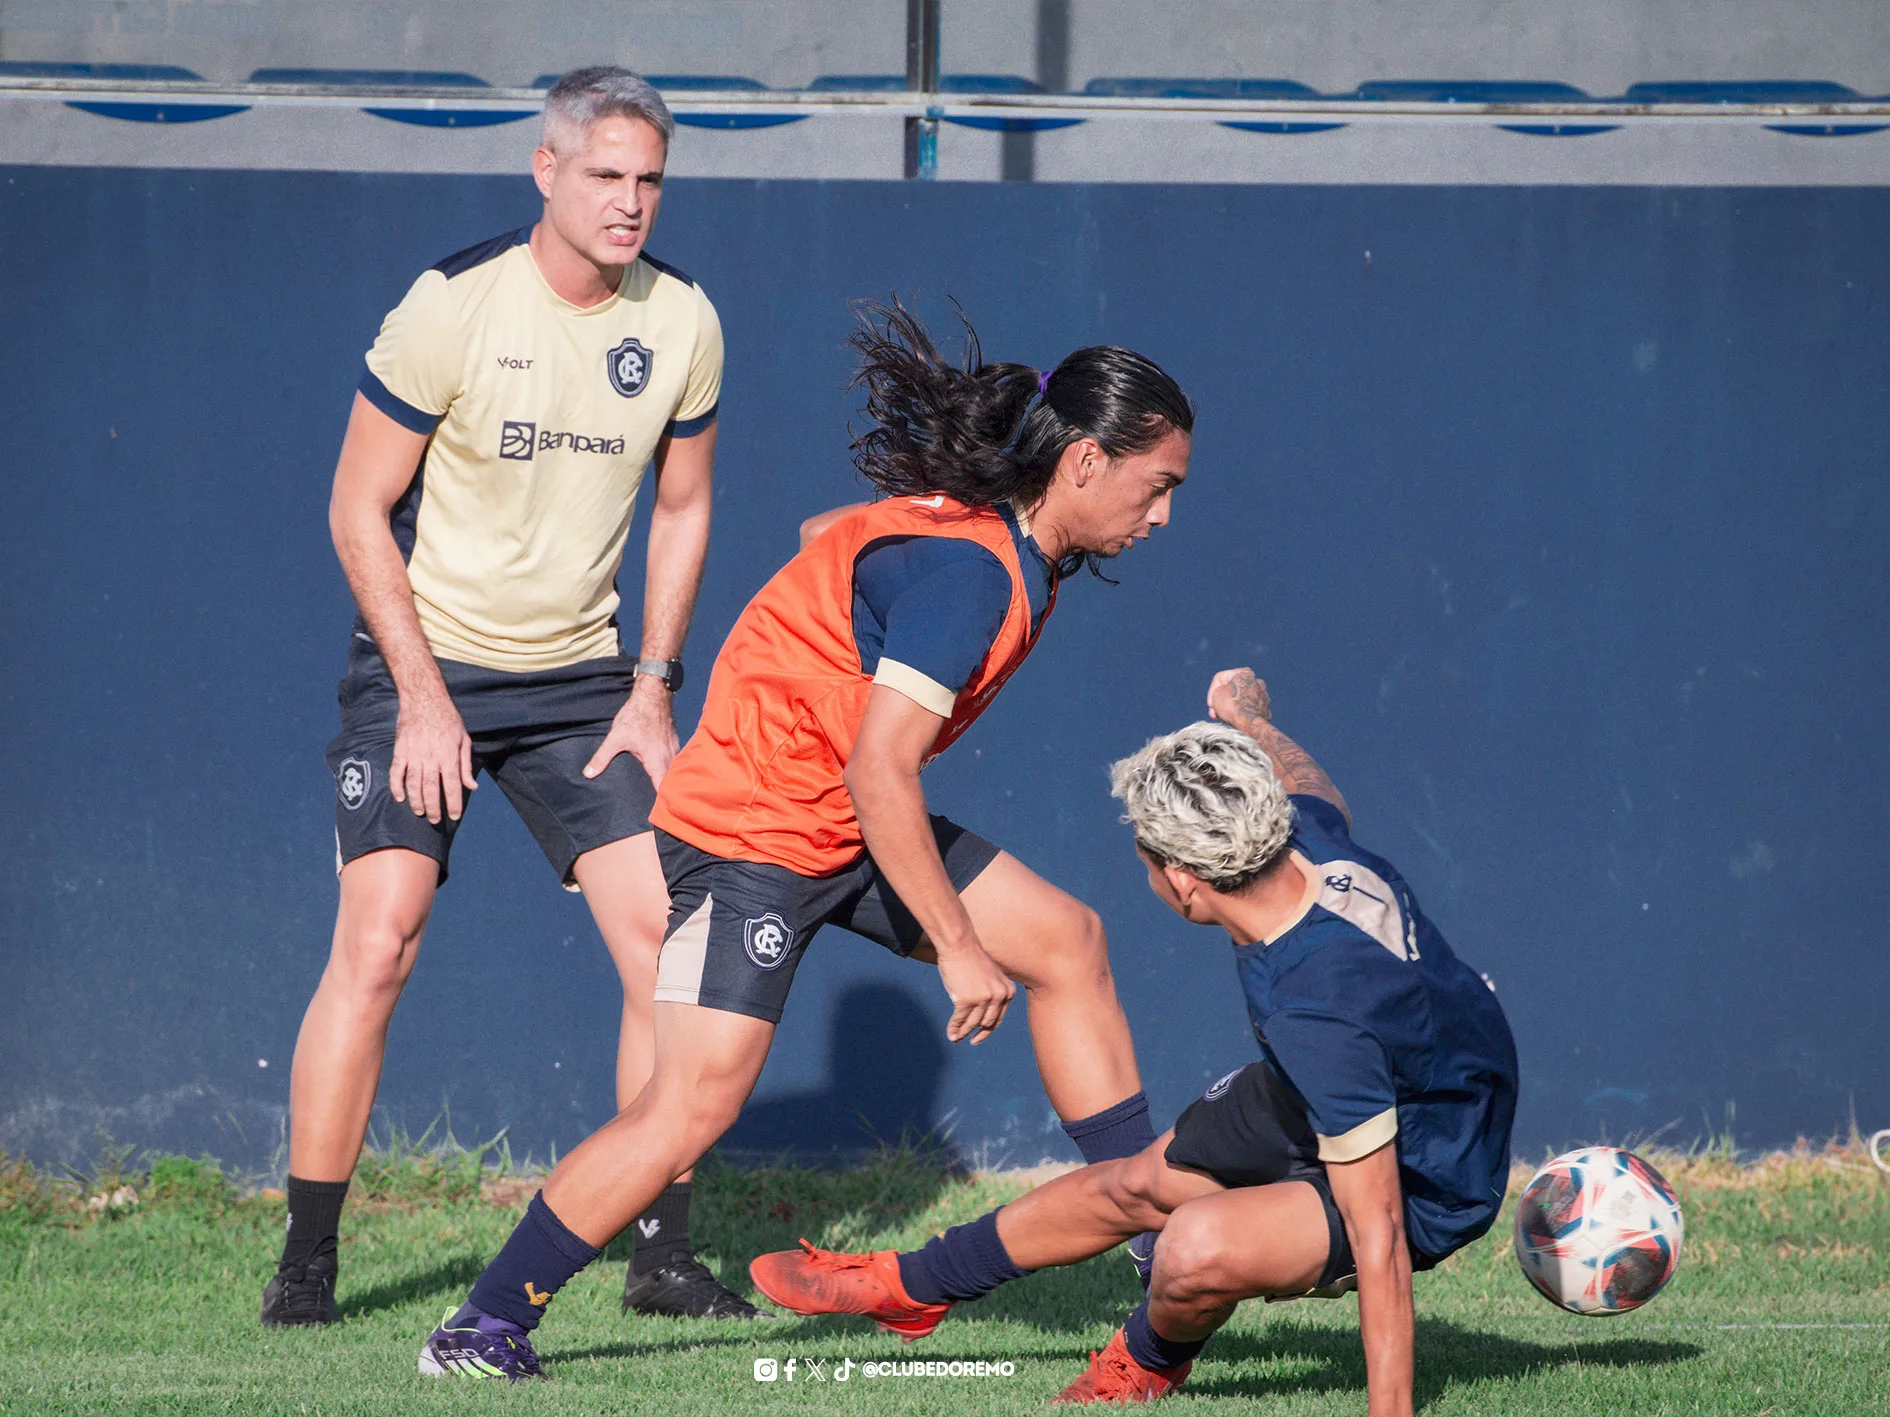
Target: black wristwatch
{"type": "Point", "coordinates": [668, 670]}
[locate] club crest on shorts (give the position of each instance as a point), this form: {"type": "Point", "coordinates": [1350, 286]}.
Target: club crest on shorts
{"type": "Point", "coordinates": [1219, 1089]}
{"type": "Point", "coordinates": [767, 939]}
{"type": "Point", "coordinates": [352, 780]}
{"type": "Point", "coordinates": [629, 368]}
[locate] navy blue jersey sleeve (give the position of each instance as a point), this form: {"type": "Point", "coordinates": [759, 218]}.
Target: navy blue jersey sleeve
{"type": "Point", "coordinates": [1316, 819]}
{"type": "Point", "coordinates": [1344, 1075]}
{"type": "Point", "coordinates": [926, 611]}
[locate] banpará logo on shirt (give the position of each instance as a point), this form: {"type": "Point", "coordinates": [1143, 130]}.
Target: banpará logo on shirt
{"type": "Point", "coordinates": [516, 440]}
{"type": "Point", "coordinates": [524, 441]}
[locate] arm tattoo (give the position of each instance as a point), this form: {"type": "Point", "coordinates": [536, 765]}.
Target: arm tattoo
{"type": "Point", "coordinates": [1298, 772]}
{"type": "Point", "coordinates": [1251, 702]}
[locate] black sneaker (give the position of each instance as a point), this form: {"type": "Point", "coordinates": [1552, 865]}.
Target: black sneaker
{"type": "Point", "coordinates": [299, 1297]}
{"type": "Point", "coordinates": [685, 1289]}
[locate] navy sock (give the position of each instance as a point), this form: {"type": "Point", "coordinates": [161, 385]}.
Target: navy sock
{"type": "Point", "coordinates": [314, 1222]}
{"type": "Point", "coordinates": [966, 1262]}
{"type": "Point", "coordinates": [661, 1233]}
{"type": "Point", "coordinates": [1114, 1132]}
{"type": "Point", "coordinates": [534, 1264]}
{"type": "Point", "coordinates": [1150, 1349]}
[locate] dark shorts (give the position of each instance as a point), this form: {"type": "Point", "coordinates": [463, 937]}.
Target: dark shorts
{"type": "Point", "coordinates": [533, 733]}
{"type": "Point", "coordinates": [737, 929]}
{"type": "Point", "coordinates": [1251, 1129]}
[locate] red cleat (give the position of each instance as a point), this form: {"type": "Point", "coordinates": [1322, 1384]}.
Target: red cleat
{"type": "Point", "coordinates": [811, 1281]}
{"type": "Point", "coordinates": [1114, 1376]}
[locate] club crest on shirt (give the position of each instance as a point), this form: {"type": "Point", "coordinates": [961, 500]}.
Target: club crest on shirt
{"type": "Point", "coordinates": [352, 780]}
{"type": "Point", "coordinates": [767, 939]}
{"type": "Point", "coordinates": [628, 366]}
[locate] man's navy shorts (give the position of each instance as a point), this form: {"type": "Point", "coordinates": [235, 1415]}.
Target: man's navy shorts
{"type": "Point", "coordinates": [533, 733]}
{"type": "Point", "coordinates": [737, 929]}
{"type": "Point", "coordinates": [1251, 1129]}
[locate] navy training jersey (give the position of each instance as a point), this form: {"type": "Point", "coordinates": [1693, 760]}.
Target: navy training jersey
{"type": "Point", "coordinates": [927, 609]}
{"type": "Point", "coordinates": [1385, 1033]}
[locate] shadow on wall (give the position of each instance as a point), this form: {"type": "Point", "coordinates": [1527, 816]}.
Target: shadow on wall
{"type": "Point", "coordinates": [885, 1070]}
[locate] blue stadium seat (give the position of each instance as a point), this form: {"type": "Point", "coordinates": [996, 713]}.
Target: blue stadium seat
{"type": "Point", "coordinates": [987, 83]}
{"type": "Point", "coordinates": [1760, 91]}
{"type": "Point", "coordinates": [404, 78]}
{"type": "Point", "coordinates": [132, 73]}
{"type": "Point", "coordinates": [681, 83]}
{"type": "Point", "coordinates": [379, 78]}
{"type": "Point", "coordinates": [129, 73]}
{"type": "Point", "coordinates": [955, 84]}
{"type": "Point", "coordinates": [707, 83]}
{"type": "Point", "coordinates": [1827, 129]}
{"type": "Point", "coordinates": [1489, 91]}
{"type": "Point", "coordinates": [1740, 91]}
{"type": "Point", "coordinates": [704, 83]}
{"type": "Point", "coordinates": [1468, 91]}
{"type": "Point", "coordinates": [1135, 86]}
{"type": "Point", "coordinates": [858, 83]}
{"type": "Point", "coordinates": [1000, 84]}
{"type": "Point", "coordinates": [947, 83]}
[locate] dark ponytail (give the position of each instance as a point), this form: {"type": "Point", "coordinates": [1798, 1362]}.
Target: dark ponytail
{"type": "Point", "coordinates": [984, 433]}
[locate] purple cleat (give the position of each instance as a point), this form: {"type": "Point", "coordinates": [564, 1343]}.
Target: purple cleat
{"type": "Point", "coordinates": [469, 1344]}
{"type": "Point", "coordinates": [1142, 1256]}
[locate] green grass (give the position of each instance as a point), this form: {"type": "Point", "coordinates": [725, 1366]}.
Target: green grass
{"type": "Point", "coordinates": [151, 1306]}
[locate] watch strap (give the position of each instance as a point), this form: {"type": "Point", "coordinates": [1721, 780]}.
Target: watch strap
{"type": "Point", "coordinates": [670, 671]}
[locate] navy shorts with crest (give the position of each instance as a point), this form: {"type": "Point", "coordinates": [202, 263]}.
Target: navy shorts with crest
{"type": "Point", "coordinates": [532, 733]}
{"type": "Point", "coordinates": [737, 929]}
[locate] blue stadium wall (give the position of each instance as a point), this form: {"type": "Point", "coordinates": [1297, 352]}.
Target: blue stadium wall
{"type": "Point", "coordinates": [1555, 517]}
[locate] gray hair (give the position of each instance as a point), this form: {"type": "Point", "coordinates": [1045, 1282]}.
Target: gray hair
{"type": "Point", "coordinates": [584, 96]}
{"type": "Point", "coordinates": [1206, 799]}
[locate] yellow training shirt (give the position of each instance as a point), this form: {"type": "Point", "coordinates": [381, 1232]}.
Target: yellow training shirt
{"type": "Point", "coordinates": [543, 418]}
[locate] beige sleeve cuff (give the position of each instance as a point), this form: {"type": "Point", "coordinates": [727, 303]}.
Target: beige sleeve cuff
{"type": "Point", "coordinates": [1362, 1140]}
{"type": "Point", "coordinates": [923, 690]}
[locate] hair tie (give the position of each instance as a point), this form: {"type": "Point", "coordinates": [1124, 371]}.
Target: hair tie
{"type": "Point", "coordinates": [1043, 382]}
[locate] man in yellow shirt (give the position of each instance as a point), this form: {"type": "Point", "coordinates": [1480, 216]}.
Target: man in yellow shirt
{"type": "Point", "coordinates": [481, 506]}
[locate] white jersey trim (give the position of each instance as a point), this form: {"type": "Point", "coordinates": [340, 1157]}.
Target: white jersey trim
{"type": "Point", "coordinates": [1362, 1140]}
{"type": "Point", "coordinates": [922, 689]}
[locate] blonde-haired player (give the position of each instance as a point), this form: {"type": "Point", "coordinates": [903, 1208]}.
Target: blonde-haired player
{"type": "Point", "coordinates": [1370, 1140]}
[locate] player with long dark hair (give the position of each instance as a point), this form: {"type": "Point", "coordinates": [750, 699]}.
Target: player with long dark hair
{"type": "Point", "coordinates": [797, 803]}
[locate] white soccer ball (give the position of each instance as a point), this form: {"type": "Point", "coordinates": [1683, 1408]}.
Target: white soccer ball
{"type": "Point", "coordinates": [1598, 1231]}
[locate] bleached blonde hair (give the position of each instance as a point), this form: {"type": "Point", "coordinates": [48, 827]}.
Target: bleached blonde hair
{"type": "Point", "coordinates": [583, 96]}
{"type": "Point", "coordinates": [1206, 799]}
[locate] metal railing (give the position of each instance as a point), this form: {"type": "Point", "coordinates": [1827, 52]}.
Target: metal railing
{"type": "Point", "coordinates": [922, 103]}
